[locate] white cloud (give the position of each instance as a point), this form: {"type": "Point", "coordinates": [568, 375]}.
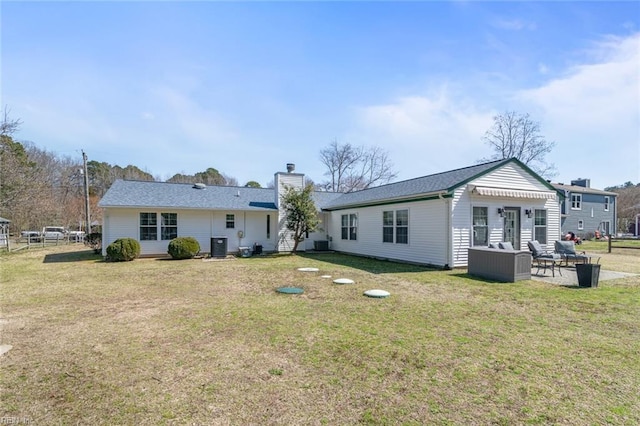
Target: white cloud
{"type": "Point", "coordinates": [593, 113]}
{"type": "Point", "coordinates": [425, 134]}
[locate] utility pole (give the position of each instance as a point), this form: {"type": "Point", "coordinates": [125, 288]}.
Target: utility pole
{"type": "Point", "coordinates": [86, 194]}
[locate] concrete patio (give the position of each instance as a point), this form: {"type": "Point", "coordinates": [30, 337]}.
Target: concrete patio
{"type": "Point", "coordinates": [570, 278]}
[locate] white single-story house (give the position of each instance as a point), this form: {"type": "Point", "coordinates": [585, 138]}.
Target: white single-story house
{"type": "Point", "coordinates": [430, 220]}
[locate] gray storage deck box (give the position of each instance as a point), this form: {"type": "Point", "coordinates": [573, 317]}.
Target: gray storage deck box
{"type": "Point", "coordinates": [500, 265]}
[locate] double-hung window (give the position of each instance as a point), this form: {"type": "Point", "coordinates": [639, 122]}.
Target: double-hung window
{"type": "Point", "coordinates": [480, 226]}
{"type": "Point", "coordinates": [540, 226]}
{"type": "Point", "coordinates": [387, 227]}
{"type": "Point", "coordinates": [169, 228]}
{"type": "Point", "coordinates": [576, 201]}
{"type": "Point", "coordinates": [231, 221]}
{"type": "Point", "coordinates": [395, 226]}
{"type": "Point", "coordinates": [349, 226]}
{"type": "Point", "coordinates": [607, 200]}
{"type": "Point", "coordinates": [402, 226]}
{"type": "Point", "coordinates": [353, 226]}
{"type": "Point", "coordinates": [148, 226]}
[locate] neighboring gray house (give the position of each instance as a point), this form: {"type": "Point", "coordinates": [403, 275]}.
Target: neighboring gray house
{"type": "Point", "coordinates": [586, 210]}
{"type": "Point", "coordinates": [429, 220]}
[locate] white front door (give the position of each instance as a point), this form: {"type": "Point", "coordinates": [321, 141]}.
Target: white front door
{"type": "Point", "coordinates": [512, 226]}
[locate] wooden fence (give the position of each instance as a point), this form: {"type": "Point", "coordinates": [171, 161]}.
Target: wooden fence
{"type": "Point", "coordinates": [622, 243]}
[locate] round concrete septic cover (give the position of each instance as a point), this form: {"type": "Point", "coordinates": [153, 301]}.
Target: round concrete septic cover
{"type": "Point", "coordinates": [290, 290]}
{"type": "Point", "coordinates": [308, 269]}
{"type": "Point", "coordinates": [343, 281]}
{"type": "Point", "coordinates": [325, 276]}
{"type": "Point", "coordinates": [377, 293]}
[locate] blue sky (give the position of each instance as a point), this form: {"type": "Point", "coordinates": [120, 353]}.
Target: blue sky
{"type": "Point", "coordinates": [246, 87]}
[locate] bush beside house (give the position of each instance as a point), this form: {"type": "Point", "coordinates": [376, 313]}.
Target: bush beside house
{"type": "Point", "coordinates": [183, 248]}
{"type": "Point", "coordinates": [123, 249]}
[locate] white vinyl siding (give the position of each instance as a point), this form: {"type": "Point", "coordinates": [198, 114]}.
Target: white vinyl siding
{"type": "Point", "coordinates": [426, 228]}
{"type": "Point", "coordinates": [199, 224]}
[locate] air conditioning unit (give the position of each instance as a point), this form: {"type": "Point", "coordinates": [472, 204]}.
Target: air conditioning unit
{"type": "Point", "coordinates": [219, 247]}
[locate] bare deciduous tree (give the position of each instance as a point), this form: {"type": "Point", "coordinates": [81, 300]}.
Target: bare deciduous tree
{"type": "Point", "coordinates": [517, 135]}
{"type": "Point", "coordinates": [352, 168]}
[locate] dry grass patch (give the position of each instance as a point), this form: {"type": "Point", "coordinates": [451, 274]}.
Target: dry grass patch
{"type": "Point", "coordinates": [194, 342]}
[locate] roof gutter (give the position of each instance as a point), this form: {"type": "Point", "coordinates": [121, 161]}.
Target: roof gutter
{"type": "Point", "coordinates": [412, 199]}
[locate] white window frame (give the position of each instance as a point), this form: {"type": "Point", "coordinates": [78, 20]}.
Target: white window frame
{"type": "Point", "coordinates": [537, 226]}
{"type": "Point", "coordinates": [576, 201]}
{"type": "Point", "coordinates": [349, 226]}
{"type": "Point", "coordinates": [388, 220]}
{"type": "Point", "coordinates": [394, 226]}
{"type": "Point", "coordinates": [162, 226]}
{"type": "Point", "coordinates": [168, 229]}
{"type": "Point", "coordinates": [475, 227]}
{"type": "Point", "coordinates": [580, 225]}
{"type": "Point", "coordinates": [230, 221]}
{"type": "Point", "coordinates": [607, 200]}
{"type": "Point", "coordinates": [146, 224]}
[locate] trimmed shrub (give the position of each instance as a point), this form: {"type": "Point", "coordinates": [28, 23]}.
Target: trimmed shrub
{"type": "Point", "coordinates": [123, 249]}
{"type": "Point", "coordinates": [94, 240]}
{"type": "Point", "coordinates": [183, 247]}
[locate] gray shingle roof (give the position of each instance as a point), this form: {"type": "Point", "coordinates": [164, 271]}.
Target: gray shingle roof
{"type": "Point", "coordinates": [414, 188]}
{"type": "Point", "coordinates": [182, 196]}
{"type": "Point", "coordinates": [140, 194]}
{"type": "Point", "coordinates": [126, 193]}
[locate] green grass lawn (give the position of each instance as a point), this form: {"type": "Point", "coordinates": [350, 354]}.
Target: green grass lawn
{"type": "Point", "coordinates": [192, 342]}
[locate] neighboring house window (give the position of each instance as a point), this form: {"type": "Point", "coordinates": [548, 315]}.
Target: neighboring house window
{"type": "Point", "coordinates": [231, 221]}
{"type": "Point", "coordinates": [606, 203]}
{"type": "Point", "coordinates": [148, 226]}
{"type": "Point", "coordinates": [576, 201]}
{"type": "Point", "coordinates": [398, 227]}
{"type": "Point", "coordinates": [169, 229]}
{"type": "Point", "coordinates": [540, 226]}
{"type": "Point", "coordinates": [580, 225]}
{"type": "Point", "coordinates": [349, 226]}
{"type": "Point", "coordinates": [480, 226]}
{"type": "Point", "coordinates": [268, 226]}
{"type": "Point", "coordinates": [387, 227]}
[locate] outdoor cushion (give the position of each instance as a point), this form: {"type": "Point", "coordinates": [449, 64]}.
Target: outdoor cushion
{"type": "Point", "coordinates": [505, 245]}
{"type": "Point", "coordinates": [493, 246]}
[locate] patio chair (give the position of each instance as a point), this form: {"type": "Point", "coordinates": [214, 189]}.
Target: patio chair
{"type": "Point", "coordinates": [567, 250]}
{"type": "Point", "coordinates": [544, 258]}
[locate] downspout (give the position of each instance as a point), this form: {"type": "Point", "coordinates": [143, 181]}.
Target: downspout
{"type": "Point", "coordinates": [449, 249]}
